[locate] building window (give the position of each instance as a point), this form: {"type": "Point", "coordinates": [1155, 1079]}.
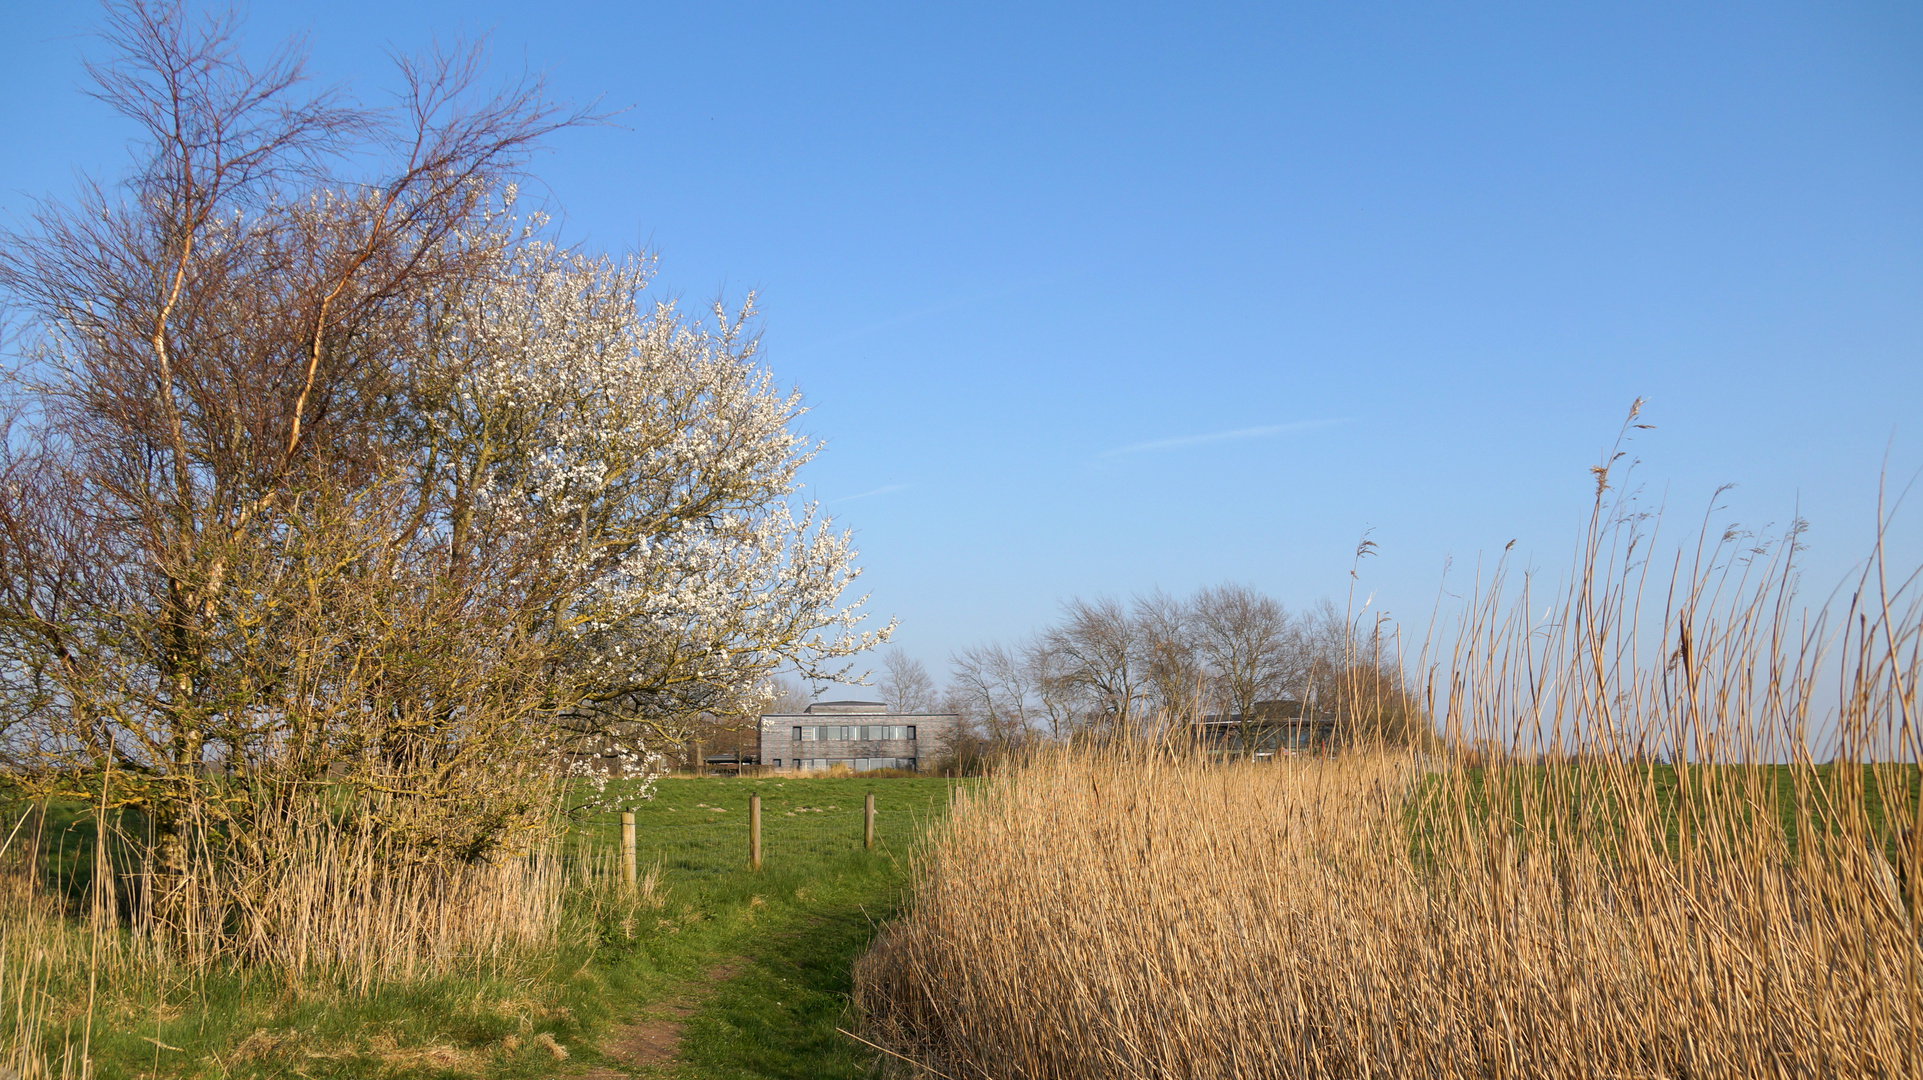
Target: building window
{"type": "Point", "coordinates": [851, 733]}
{"type": "Point", "coordinates": [906, 764]}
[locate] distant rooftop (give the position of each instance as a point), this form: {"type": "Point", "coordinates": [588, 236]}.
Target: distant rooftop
{"type": "Point", "coordinates": [848, 707]}
{"type": "Point", "coordinates": [859, 708]}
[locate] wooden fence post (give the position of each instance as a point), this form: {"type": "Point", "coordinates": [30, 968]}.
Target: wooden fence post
{"type": "Point", "coordinates": [754, 832]}
{"type": "Point", "coordinates": [868, 822]}
{"type": "Point", "coordinates": [627, 848]}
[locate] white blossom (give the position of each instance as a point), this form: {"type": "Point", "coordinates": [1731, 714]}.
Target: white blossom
{"type": "Point", "coordinates": [647, 461]}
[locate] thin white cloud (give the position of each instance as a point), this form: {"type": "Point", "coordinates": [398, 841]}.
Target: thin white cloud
{"type": "Point", "coordinates": [878, 491]}
{"type": "Point", "coordinates": [1267, 431]}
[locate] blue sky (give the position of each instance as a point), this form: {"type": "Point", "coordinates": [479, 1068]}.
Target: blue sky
{"type": "Point", "coordinates": [1104, 298]}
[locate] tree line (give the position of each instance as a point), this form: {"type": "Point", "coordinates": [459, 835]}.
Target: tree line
{"type": "Point", "coordinates": [1153, 666]}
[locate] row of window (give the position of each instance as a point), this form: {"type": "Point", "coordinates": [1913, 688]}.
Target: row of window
{"type": "Point", "coordinates": [870, 732]}
{"type": "Point", "coordinates": [860, 764]}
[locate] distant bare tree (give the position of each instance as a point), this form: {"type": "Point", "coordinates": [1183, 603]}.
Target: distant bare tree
{"type": "Point", "coordinates": [1172, 661]}
{"type": "Point", "coordinates": [1061, 701]}
{"type": "Point", "coordinates": [1153, 668]}
{"type": "Point", "coordinates": [1371, 692]}
{"type": "Point", "coordinates": [1322, 649]}
{"type": "Point", "coordinates": [1098, 646]}
{"type": "Point", "coordinates": [992, 689]}
{"type": "Point", "coordinates": [784, 695]}
{"type": "Point", "coordinates": [906, 684]}
{"type": "Point", "coordinates": [1246, 640]}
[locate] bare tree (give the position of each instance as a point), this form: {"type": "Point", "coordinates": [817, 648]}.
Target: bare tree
{"type": "Point", "coordinates": [1062, 702]}
{"type": "Point", "coordinates": [1099, 647]}
{"type": "Point", "coordinates": [1153, 668]}
{"type": "Point", "coordinates": [782, 694]}
{"type": "Point", "coordinates": [1247, 642]}
{"type": "Point", "coordinates": [991, 687]}
{"type": "Point", "coordinates": [1323, 648]}
{"type": "Point", "coordinates": [213, 367]}
{"type": "Point", "coordinates": [906, 684]}
{"type": "Point", "coordinates": [1173, 661]}
{"type": "Point", "coordinates": [1368, 690]}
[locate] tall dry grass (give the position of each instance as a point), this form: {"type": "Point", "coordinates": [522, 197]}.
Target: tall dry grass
{"type": "Point", "coordinates": [1631, 864]}
{"type": "Point", "coordinates": [312, 892]}
{"type": "Point", "coordinates": [1135, 916]}
{"type": "Point", "coordinates": [336, 910]}
{"type": "Point", "coordinates": [39, 954]}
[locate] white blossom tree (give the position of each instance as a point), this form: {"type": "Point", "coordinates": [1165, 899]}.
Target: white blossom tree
{"type": "Point", "coordinates": [656, 459]}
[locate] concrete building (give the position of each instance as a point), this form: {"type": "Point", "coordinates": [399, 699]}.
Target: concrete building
{"type": "Point", "coordinates": [861, 735]}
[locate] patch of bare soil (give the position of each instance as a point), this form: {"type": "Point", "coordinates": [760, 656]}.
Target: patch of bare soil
{"type": "Point", "coordinates": [650, 1040]}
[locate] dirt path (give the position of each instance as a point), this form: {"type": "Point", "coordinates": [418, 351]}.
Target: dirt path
{"type": "Point", "coordinates": [647, 1045]}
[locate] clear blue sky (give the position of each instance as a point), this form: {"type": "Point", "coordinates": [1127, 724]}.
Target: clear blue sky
{"type": "Point", "coordinates": [1102, 298]}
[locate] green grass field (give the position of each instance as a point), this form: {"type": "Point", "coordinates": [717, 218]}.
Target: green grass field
{"type": "Point", "coordinates": [785, 937]}
{"type": "Point", "coordinates": [733, 974]}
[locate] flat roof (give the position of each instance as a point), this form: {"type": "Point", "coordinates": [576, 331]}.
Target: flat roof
{"type": "Point", "coordinates": [839, 717]}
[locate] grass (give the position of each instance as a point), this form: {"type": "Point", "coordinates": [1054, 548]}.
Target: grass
{"type": "Point", "coordinates": [784, 936]}
{"type": "Point", "coordinates": [789, 934]}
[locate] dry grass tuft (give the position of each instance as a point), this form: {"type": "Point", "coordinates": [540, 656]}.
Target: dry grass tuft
{"type": "Point", "coordinates": [264, 1045]}
{"type": "Point", "coordinates": [555, 1050]}
{"type": "Point", "coordinates": [435, 1056]}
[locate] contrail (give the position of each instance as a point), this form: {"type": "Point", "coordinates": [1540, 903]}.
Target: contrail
{"type": "Point", "coordinates": [1264, 432]}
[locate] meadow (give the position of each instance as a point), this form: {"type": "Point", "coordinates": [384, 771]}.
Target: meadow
{"type": "Point", "coordinates": [708, 970]}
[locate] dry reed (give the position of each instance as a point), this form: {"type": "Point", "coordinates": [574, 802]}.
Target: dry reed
{"type": "Point", "coordinates": [336, 910]}
{"type": "Point", "coordinates": [312, 892]}
{"type": "Point", "coordinates": [1631, 865]}
{"type": "Point", "coordinates": [39, 953]}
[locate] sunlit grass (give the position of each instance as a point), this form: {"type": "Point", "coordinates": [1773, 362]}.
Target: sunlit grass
{"type": "Point", "coordinates": [787, 934]}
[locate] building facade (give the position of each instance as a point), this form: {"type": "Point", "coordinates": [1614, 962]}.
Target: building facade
{"type": "Point", "coordinates": [1278, 728]}
{"type": "Point", "coordinates": [861, 735]}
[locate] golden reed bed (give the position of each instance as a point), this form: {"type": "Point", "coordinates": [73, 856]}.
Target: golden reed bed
{"type": "Point", "coordinates": [1100, 915]}
{"type": "Point", "coordinates": [1619, 858]}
